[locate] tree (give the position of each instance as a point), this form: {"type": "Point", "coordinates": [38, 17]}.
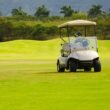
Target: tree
{"type": "Point", "coordinates": [67, 11]}
{"type": "Point", "coordinates": [42, 11]}
{"type": "Point", "coordinates": [18, 12]}
{"type": "Point", "coordinates": [0, 13]}
{"type": "Point", "coordinates": [5, 30]}
{"type": "Point", "coordinates": [109, 12]}
{"type": "Point", "coordinates": [95, 10]}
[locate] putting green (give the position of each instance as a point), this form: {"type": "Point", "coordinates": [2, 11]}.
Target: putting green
{"type": "Point", "coordinates": [28, 79]}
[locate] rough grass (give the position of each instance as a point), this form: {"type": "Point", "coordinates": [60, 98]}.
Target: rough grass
{"type": "Point", "coordinates": [33, 23]}
{"type": "Point", "coordinates": [28, 79]}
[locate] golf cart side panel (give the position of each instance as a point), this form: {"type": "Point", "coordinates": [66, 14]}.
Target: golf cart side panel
{"type": "Point", "coordinates": [63, 61]}
{"type": "Point", "coordinates": [84, 55]}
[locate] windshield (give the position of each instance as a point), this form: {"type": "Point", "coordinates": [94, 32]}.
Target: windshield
{"type": "Point", "coordinates": [84, 43]}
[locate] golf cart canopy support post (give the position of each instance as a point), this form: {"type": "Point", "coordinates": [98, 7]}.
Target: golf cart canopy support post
{"type": "Point", "coordinates": [85, 30]}
{"type": "Point", "coordinates": [95, 30]}
{"type": "Point", "coordinates": [61, 35]}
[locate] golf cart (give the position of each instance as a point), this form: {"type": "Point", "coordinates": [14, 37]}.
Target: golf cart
{"type": "Point", "coordinates": [79, 51]}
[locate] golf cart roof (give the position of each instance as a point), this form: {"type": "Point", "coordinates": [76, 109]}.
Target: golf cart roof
{"type": "Point", "coordinates": [77, 23]}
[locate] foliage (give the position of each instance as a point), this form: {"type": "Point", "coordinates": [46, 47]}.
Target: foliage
{"type": "Point", "coordinates": [67, 11]}
{"type": "Point", "coordinates": [18, 12]}
{"type": "Point", "coordinates": [11, 29]}
{"type": "Point", "coordinates": [0, 13]}
{"type": "Point", "coordinates": [42, 11]}
{"type": "Point", "coordinates": [41, 32]}
{"type": "Point", "coordinates": [22, 32]}
{"type": "Point", "coordinates": [5, 30]}
{"type": "Point", "coordinates": [109, 12]}
{"type": "Point", "coordinates": [79, 15]}
{"type": "Point", "coordinates": [95, 11]}
{"type": "Point", "coordinates": [43, 27]}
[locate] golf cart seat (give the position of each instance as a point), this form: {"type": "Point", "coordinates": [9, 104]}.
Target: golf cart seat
{"type": "Point", "coordinates": [65, 51]}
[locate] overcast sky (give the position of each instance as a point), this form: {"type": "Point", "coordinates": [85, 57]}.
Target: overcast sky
{"type": "Point", "coordinates": [53, 5]}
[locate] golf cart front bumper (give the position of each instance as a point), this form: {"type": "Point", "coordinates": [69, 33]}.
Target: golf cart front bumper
{"type": "Point", "coordinates": [83, 64]}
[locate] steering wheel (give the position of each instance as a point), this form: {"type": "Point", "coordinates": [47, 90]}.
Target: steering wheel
{"type": "Point", "coordinates": [85, 42]}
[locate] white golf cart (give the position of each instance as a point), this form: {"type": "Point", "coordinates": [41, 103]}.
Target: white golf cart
{"type": "Point", "coordinates": [80, 51]}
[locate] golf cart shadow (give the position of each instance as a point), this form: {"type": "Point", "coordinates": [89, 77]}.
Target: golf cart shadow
{"type": "Point", "coordinates": [80, 72]}
{"type": "Point", "coordinates": [54, 72]}
{"type": "Point", "coordinates": [42, 72]}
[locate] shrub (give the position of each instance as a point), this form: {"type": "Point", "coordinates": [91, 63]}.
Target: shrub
{"type": "Point", "coordinates": [22, 31]}
{"type": "Point", "coordinates": [5, 30]}
{"type": "Point", "coordinates": [79, 15]}
{"type": "Point", "coordinates": [42, 32]}
{"type": "Point", "coordinates": [39, 32]}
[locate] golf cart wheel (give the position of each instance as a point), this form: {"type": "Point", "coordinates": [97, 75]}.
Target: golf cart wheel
{"type": "Point", "coordinates": [59, 68]}
{"type": "Point", "coordinates": [72, 66]}
{"type": "Point", "coordinates": [87, 69]}
{"type": "Point", "coordinates": [97, 66]}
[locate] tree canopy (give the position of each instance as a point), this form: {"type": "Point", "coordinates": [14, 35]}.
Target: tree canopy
{"type": "Point", "coordinates": [95, 11]}
{"type": "Point", "coordinates": [67, 11]}
{"type": "Point", "coordinates": [42, 11]}
{"type": "Point", "coordinates": [18, 12]}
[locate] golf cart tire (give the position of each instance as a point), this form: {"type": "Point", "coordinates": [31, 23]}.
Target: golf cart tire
{"type": "Point", "coordinates": [59, 68]}
{"type": "Point", "coordinates": [97, 66]}
{"type": "Point", "coordinates": [72, 66]}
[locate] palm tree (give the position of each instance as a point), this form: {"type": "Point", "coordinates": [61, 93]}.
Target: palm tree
{"type": "Point", "coordinates": [42, 11]}
{"type": "Point", "coordinates": [67, 11]}
{"type": "Point", "coordinates": [18, 12]}
{"type": "Point", "coordinates": [95, 10]}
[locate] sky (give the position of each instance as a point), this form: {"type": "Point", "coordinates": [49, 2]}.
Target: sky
{"type": "Point", "coordinates": [53, 5]}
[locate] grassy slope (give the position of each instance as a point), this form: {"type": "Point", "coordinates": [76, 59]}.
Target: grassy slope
{"type": "Point", "coordinates": [28, 83]}
{"type": "Point", "coordinates": [30, 49]}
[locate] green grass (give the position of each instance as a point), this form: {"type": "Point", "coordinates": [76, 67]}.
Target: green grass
{"type": "Point", "coordinates": [28, 79]}
{"type": "Point", "coordinates": [30, 49]}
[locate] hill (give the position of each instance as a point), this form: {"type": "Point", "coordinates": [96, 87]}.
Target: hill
{"type": "Point", "coordinates": [31, 49]}
{"type": "Point", "coordinates": [54, 5]}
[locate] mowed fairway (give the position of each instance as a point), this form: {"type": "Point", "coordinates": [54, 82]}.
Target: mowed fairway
{"type": "Point", "coordinates": [29, 81]}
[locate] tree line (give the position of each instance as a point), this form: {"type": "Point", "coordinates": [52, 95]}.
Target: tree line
{"type": "Point", "coordinates": [10, 31]}
{"type": "Point", "coordinates": [66, 11]}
